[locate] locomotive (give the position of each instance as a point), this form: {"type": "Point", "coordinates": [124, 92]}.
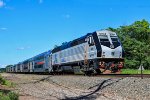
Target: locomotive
{"type": "Point", "coordinates": [94, 53]}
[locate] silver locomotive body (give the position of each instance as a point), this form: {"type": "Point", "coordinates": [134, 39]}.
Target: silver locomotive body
{"type": "Point", "coordinates": [95, 52]}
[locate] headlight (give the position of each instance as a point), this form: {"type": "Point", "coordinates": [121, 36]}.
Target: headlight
{"type": "Point", "coordinates": [103, 54]}
{"type": "Point", "coordinates": [120, 54]}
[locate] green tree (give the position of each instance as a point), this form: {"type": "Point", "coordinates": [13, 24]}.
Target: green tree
{"type": "Point", "coordinates": [136, 42]}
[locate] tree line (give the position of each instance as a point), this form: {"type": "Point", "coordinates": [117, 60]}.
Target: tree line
{"type": "Point", "coordinates": [135, 39]}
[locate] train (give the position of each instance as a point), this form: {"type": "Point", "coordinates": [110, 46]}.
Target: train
{"type": "Point", "coordinates": [99, 52]}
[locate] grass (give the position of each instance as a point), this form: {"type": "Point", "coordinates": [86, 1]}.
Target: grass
{"type": "Point", "coordinates": [7, 94]}
{"type": "Point", "coordinates": [6, 82]}
{"type": "Point", "coordinates": [134, 71]}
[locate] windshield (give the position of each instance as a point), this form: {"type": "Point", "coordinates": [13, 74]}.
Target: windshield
{"type": "Point", "coordinates": [115, 41]}
{"type": "Point", "coordinates": [104, 40]}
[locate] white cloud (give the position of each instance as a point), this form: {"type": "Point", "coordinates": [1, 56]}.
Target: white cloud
{"type": "Point", "coordinates": [20, 48]}
{"type": "Point", "coordinates": [67, 16]}
{"type": "Point", "coordinates": [28, 47]}
{"type": "Point", "coordinates": [2, 4]}
{"type": "Point", "coordinates": [40, 1]}
{"type": "Point", "coordinates": [3, 28]}
{"type": "Point", "coordinates": [2, 66]}
{"type": "Point", "coordinates": [23, 48]}
{"type": "Point", "coordinates": [9, 8]}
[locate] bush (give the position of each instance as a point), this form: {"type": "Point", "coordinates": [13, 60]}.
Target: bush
{"type": "Point", "coordinates": [5, 82]}
{"type": "Point", "coordinates": [13, 96]}
{"type": "Point", "coordinates": [9, 96]}
{"type": "Point", "coordinates": [2, 81]}
{"type": "Point", "coordinates": [135, 39]}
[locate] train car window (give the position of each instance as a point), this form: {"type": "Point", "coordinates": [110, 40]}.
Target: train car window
{"type": "Point", "coordinates": [25, 67]}
{"type": "Point", "coordinates": [18, 67]}
{"type": "Point", "coordinates": [38, 66]}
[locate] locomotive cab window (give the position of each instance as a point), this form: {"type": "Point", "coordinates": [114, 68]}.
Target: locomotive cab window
{"type": "Point", "coordinates": [114, 38]}
{"type": "Point", "coordinates": [104, 40]}
{"type": "Point", "coordinates": [115, 41]}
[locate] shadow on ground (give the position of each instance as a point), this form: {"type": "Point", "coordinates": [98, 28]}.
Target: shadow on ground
{"type": "Point", "coordinates": [93, 94]}
{"type": "Point", "coordinates": [41, 80]}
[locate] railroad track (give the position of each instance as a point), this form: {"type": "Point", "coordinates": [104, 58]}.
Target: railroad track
{"type": "Point", "coordinates": [110, 75]}
{"type": "Point", "coordinates": [125, 75]}
{"type": "Point", "coordinates": [100, 75]}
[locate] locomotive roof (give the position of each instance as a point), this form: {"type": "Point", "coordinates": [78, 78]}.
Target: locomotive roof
{"type": "Point", "coordinates": [77, 41]}
{"type": "Point", "coordinates": [106, 31]}
{"type": "Point", "coordinates": [71, 43]}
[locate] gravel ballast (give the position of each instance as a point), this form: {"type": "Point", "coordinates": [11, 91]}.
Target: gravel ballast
{"type": "Point", "coordinates": [132, 88]}
{"type": "Point", "coordinates": [65, 87]}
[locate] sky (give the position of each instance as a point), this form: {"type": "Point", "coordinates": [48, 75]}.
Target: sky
{"type": "Point", "coordinates": [30, 27]}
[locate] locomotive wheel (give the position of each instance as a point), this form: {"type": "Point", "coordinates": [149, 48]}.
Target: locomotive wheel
{"type": "Point", "coordinates": [98, 71]}
{"type": "Point", "coordinates": [119, 72]}
{"type": "Point", "coordinates": [107, 72]}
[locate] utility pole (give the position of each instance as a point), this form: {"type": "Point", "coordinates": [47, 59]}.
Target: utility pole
{"type": "Point", "coordinates": [141, 51]}
{"type": "Point", "coordinates": [141, 71]}
{"type": "Point", "coordinates": [141, 65]}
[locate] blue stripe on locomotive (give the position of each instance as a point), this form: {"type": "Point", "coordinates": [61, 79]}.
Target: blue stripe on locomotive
{"type": "Point", "coordinates": [70, 44]}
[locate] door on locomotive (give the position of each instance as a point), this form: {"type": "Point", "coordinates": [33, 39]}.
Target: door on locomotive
{"type": "Point", "coordinates": [89, 55]}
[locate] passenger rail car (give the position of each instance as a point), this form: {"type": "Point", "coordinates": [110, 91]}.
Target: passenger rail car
{"type": "Point", "coordinates": [41, 62]}
{"type": "Point", "coordinates": [97, 52]}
